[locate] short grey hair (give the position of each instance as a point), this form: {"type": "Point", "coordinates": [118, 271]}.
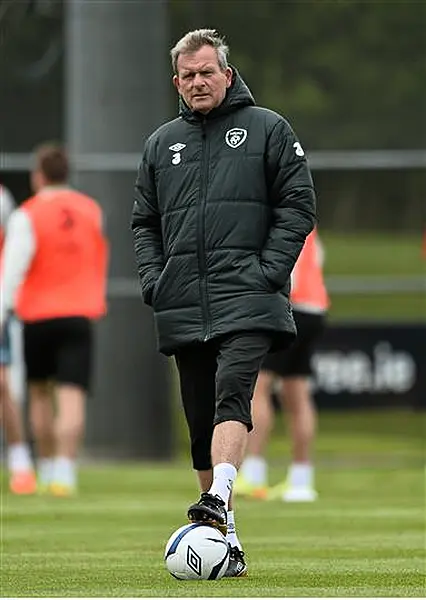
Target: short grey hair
{"type": "Point", "coordinates": [194, 40]}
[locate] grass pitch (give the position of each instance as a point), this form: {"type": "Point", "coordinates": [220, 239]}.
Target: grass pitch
{"type": "Point", "coordinates": [364, 537]}
{"type": "Point", "coordinates": [375, 255]}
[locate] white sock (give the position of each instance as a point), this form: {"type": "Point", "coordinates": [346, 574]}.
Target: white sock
{"type": "Point", "coordinates": [64, 471]}
{"type": "Point", "coordinates": [224, 475]}
{"type": "Point", "coordinates": [19, 458]}
{"type": "Point", "coordinates": [300, 475]}
{"type": "Point", "coordinates": [231, 536]}
{"type": "Point", "coordinates": [45, 468]}
{"type": "Point", "coordinates": [254, 470]}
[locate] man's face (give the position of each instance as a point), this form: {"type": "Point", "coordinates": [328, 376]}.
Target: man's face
{"type": "Point", "coordinates": [200, 80]}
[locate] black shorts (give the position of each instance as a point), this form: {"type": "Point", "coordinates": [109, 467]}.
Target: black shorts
{"type": "Point", "coordinates": [217, 380]}
{"type": "Point", "coordinates": [296, 360]}
{"type": "Point", "coordinates": [59, 349]}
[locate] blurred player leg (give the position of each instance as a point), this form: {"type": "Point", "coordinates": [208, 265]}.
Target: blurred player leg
{"type": "Point", "coordinates": [69, 429]}
{"type": "Point", "coordinates": [73, 342]}
{"type": "Point", "coordinates": [252, 479]}
{"type": "Point", "coordinates": [301, 414]}
{"type": "Point", "coordinates": [296, 398]}
{"type": "Point", "coordinates": [42, 425]}
{"type": "Point", "coordinates": [22, 478]}
{"type": "Point", "coordinates": [58, 354]}
{"type": "Point", "coordinates": [16, 371]}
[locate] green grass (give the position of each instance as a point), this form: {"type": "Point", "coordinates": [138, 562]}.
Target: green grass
{"type": "Point", "coordinates": [364, 537]}
{"type": "Point", "coordinates": [375, 254]}
{"type": "Point", "coordinates": [410, 307]}
{"type": "Point", "coordinates": [387, 437]}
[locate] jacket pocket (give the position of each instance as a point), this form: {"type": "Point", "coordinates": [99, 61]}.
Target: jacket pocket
{"type": "Point", "coordinates": [157, 286]}
{"type": "Point", "coordinates": [155, 291]}
{"type": "Point", "coordinates": [266, 283]}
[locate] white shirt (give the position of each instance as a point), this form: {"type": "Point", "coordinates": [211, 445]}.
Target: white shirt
{"type": "Point", "coordinates": [18, 253]}
{"type": "Point", "coordinates": [7, 206]}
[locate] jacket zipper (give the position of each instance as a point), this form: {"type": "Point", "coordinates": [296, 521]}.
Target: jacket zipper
{"type": "Point", "coordinates": [204, 171]}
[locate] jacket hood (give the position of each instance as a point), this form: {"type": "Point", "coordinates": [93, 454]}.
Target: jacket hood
{"type": "Point", "coordinates": [237, 96]}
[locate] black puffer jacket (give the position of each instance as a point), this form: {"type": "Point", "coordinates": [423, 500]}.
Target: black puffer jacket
{"type": "Point", "coordinates": [223, 205]}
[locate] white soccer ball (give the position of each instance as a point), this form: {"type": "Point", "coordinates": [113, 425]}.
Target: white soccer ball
{"type": "Point", "coordinates": [197, 551]}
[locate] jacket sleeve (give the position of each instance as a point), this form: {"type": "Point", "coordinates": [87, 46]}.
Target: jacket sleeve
{"type": "Point", "coordinates": [292, 198]}
{"type": "Point", "coordinates": [146, 228]}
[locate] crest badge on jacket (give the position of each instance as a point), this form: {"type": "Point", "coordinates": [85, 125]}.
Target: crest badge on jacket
{"type": "Point", "coordinates": [235, 137]}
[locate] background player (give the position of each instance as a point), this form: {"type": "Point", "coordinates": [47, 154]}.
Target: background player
{"type": "Point", "coordinates": [54, 277]}
{"type": "Point", "coordinates": [288, 374]}
{"type": "Point", "coordinates": [22, 478]}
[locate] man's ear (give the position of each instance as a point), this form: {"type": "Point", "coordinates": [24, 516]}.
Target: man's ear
{"type": "Point", "coordinates": [176, 82]}
{"type": "Point", "coordinates": [228, 74]}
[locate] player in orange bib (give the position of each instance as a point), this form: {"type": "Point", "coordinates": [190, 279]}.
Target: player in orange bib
{"type": "Point", "coordinates": [54, 278]}
{"type": "Point", "coordinates": [22, 478]}
{"type": "Point", "coordinates": [289, 372]}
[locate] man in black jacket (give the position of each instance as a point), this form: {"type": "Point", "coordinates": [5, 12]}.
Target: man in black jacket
{"type": "Point", "coordinates": [224, 202]}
